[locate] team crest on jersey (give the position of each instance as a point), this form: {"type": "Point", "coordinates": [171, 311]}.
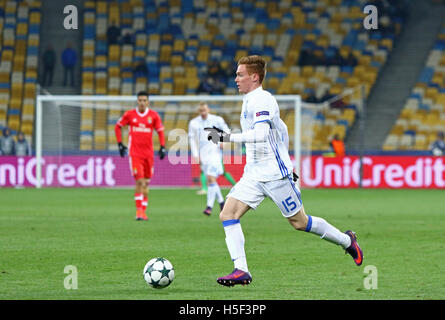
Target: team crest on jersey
{"type": "Point", "coordinates": [245, 114]}
{"type": "Point", "coordinates": [134, 119]}
{"type": "Point", "coordinates": [149, 120]}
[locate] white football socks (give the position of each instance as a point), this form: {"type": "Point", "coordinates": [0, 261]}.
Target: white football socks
{"type": "Point", "coordinates": [211, 194]}
{"type": "Point", "coordinates": [219, 195]}
{"type": "Point", "coordinates": [327, 231]}
{"type": "Point", "coordinates": [213, 191]}
{"type": "Point", "coordinates": [235, 243]}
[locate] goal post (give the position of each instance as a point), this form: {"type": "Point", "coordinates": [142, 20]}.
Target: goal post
{"type": "Point", "coordinates": [83, 125]}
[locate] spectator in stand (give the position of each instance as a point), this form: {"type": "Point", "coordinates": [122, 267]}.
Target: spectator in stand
{"type": "Point", "coordinates": [320, 58]}
{"type": "Point", "coordinates": [140, 69]}
{"type": "Point", "coordinates": [338, 146]}
{"type": "Point", "coordinates": [127, 38]}
{"type": "Point", "coordinates": [206, 86]}
{"type": "Point", "coordinates": [337, 60]}
{"type": "Point", "coordinates": [22, 147]}
{"type": "Point", "coordinates": [113, 33]}
{"type": "Point", "coordinates": [305, 57]}
{"type": "Point", "coordinates": [49, 61]}
{"type": "Point", "coordinates": [338, 104]}
{"type": "Point", "coordinates": [229, 71]}
{"type": "Point", "coordinates": [351, 60]}
{"type": "Point", "coordinates": [326, 96]}
{"type": "Point", "coordinates": [215, 71]}
{"type": "Point", "coordinates": [69, 59]}
{"type": "Point", "coordinates": [311, 98]}
{"type": "Point", "coordinates": [7, 143]}
{"type": "Point", "coordinates": [438, 146]}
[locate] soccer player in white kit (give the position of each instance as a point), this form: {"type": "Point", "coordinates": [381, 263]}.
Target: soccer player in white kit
{"type": "Point", "coordinates": [268, 173]}
{"type": "Point", "coordinates": [208, 154]}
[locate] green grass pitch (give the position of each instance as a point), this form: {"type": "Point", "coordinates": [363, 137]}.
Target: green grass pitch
{"type": "Point", "coordinates": [42, 231]}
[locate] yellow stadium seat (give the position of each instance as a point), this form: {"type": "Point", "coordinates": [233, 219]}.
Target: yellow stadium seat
{"type": "Point", "coordinates": [307, 71]}
{"type": "Point", "coordinates": [114, 52]}
{"type": "Point", "coordinates": [176, 60]}
{"type": "Point", "coordinates": [7, 55]}
{"type": "Point", "coordinates": [4, 77]}
{"type": "Point", "coordinates": [27, 127]}
{"type": "Point", "coordinates": [22, 29]}
{"type": "Point", "coordinates": [386, 42]}
{"type": "Point", "coordinates": [14, 122]}
{"type": "Point", "coordinates": [179, 45]}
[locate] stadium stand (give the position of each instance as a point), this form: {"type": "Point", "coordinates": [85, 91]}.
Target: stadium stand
{"type": "Point", "coordinates": [423, 114]}
{"type": "Point", "coordinates": [178, 39]}
{"type": "Point", "coordinates": [19, 46]}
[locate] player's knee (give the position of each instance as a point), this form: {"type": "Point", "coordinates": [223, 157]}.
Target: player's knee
{"type": "Point", "coordinates": [298, 222]}
{"type": "Point", "coordinates": [223, 216]}
{"type": "Point", "coordinates": [226, 214]}
{"type": "Point", "coordinates": [299, 226]}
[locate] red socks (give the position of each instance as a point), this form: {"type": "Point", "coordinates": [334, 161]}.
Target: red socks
{"type": "Point", "coordinates": [141, 201]}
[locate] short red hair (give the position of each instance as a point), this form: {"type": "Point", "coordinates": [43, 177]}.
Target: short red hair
{"type": "Point", "coordinates": [254, 64]}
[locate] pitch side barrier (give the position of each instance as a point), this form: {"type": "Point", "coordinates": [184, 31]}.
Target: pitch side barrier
{"type": "Point", "coordinates": [317, 171]}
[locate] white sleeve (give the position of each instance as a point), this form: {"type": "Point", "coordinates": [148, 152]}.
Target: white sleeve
{"type": "Point", "coordinates": [259, 133]}
{"type": "Point", "coordinates": [284, 133]}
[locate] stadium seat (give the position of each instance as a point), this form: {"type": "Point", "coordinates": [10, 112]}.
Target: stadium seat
{"type": "Point", "coordinates": [277, 30]}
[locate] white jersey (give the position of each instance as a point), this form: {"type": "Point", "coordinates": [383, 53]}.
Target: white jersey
{"type": "Point", "coordinates": [268, 160]}
{"type": "Point", "coordinates": [199, 143]}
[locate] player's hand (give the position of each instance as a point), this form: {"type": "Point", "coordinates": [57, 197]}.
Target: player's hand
{"type": "Point", "coordinates": [162, 152]}
{"type": "Point", "coordinates": [217, 135]}
{"type": "Point", "coordinates": [295, 176]}
{"type": "Point", "coordinates": [122, 149]}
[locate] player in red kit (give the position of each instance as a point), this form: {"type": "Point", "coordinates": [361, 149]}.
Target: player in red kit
{"type": "Point", "coordinates": [141, 122]}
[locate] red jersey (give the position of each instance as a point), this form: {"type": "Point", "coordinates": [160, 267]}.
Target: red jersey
{"type": "Point", "coordinates": [140, 131]}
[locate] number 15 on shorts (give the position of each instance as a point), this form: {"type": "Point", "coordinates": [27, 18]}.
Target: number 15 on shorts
{"type": "Point", "coordinates": [289, 204]}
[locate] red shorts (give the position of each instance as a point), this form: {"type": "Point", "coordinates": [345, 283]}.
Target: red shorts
{"type": "Point", "coordinates": [141, 167]}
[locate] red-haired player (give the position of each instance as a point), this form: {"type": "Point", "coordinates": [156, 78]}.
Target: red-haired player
{"type": "Point", "coordinates": [141, 122]}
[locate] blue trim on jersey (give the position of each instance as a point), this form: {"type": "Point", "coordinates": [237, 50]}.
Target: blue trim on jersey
{"type": "Point", "coordinates": [262, 121]}
{"type": "Point", "coordinates": [230, 222]}
{"type": "Point", "coordinates": [276, 157]}
{"type": "Point", "coordinates": [295, 189]}
{"type": "Point", "coordinates": [283, 168]}
{"type": "Point", "coordinates": [309, 224]}
{"type": "Point", "coordinates": [282, 162]}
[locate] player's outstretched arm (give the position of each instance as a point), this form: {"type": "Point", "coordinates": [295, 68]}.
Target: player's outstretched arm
{"type": "Point", "coordinates": [259, 133]}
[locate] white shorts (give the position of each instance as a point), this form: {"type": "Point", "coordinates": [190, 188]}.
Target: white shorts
{"type": "Point", "coordinates": [212, 168]}
{"type": "Point", "coordinates": [283, 192]}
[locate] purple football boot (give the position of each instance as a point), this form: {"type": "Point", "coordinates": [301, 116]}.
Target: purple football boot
{"type": "Point", "coordinates": [208, 211]}
{"type": "Point", "coordinates": [236, 277]}
{"type": "Point", "coordinates": [354, 249]}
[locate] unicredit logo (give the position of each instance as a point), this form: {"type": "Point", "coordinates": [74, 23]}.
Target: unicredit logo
{"type": "Point", "coordinates": [72, 171]}
{"type": "Point", "coordinates": [378, 172]}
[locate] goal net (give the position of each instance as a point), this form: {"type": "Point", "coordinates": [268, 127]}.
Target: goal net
{"type": "Point", "coordinates": [76, 145]}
